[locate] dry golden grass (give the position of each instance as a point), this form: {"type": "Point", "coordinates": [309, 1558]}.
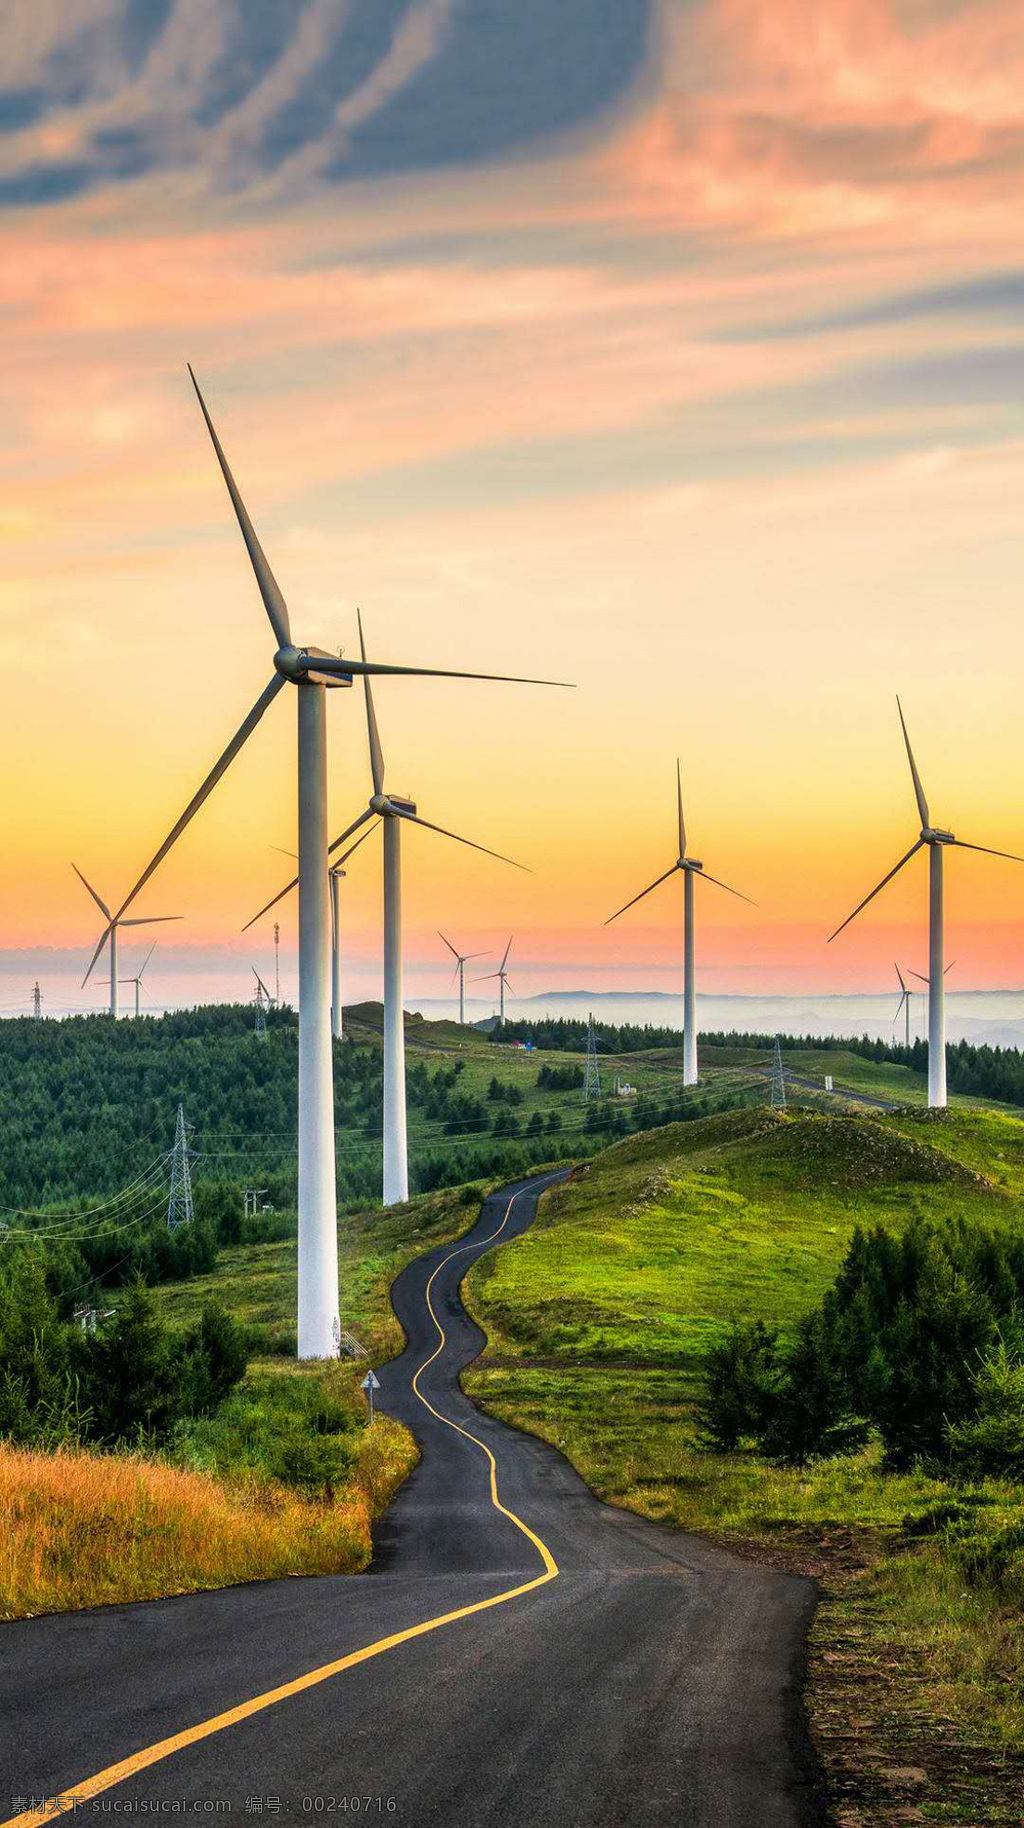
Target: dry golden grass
{"type": "Point", "coordinates": [81, 1529]}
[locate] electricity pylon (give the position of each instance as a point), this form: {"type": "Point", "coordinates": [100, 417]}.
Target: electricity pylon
{"type": "Point", "coordinates": [37, 1002]}
{"type": "Point", "coordinates": [592, 1078]}
{"type": "Point", "coordinates": [777, 1082]}
{"type": "Point", "coordinates": [262, 1000]}
{"type": "Point", "coordinates": [179, 1207]}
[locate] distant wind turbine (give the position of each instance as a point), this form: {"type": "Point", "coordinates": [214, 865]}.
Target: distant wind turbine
{"type": "Point", "coordinates": [461, 961]}
{"type": "Point", "coordinates": [936, 839]}
{"type": "Point", "coordinates": [502, 975]}
{"type": "Point", "coordinates": [137, 979]}
{"type": "Point", "coordinates": [691, 867]}
{"type": "Point", "coordinates": [110, 932]}
{"type": "Point", "coordinates": [310, 670]}
{"type": "Point", "coordinates": [334, 871]}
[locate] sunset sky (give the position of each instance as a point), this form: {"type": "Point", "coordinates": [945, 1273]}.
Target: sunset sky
{"type": "Point", "coordinates": [671, 349]}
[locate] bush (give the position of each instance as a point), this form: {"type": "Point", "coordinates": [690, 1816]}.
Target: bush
{"type": "Point", "coordinates": [740, 1383]}
{"type": "Point", "coordinates": [990, 1442]}
{"type": "Point", "coordinates": [811, 1418]}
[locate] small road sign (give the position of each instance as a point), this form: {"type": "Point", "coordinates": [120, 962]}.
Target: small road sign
{"type": "Point", "coordinates": [370, 1383]}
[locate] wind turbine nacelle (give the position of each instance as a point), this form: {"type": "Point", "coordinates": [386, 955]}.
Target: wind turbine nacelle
{"type": "Point", "coordinates": [692, 863]}
{"type": "Point", "coordinates": [932, 835]}
{"type": "Point", "coordinates": [294, 663]}
{"type": "Point", "coordinates": [402, 805]}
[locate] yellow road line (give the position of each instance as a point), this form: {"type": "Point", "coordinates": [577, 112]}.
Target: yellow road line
{"type": "Point", "coordinates": [88, 1787]}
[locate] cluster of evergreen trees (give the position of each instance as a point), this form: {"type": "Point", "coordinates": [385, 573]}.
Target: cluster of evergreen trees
{"type": "Point", "coordinates": [920, 1340]}
{"type": "Point", "coordinates": [131, 1378]}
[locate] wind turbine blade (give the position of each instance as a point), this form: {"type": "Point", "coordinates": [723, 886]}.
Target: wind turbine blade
{"type": "Point", "coordinates": [899, 1007]}
{"type": "Point", "coordinates": [949, 967]}
{"type": "Point", "coordinates": [486, 979]}
{"type": "Point", "coordinates": [643, 892]}
{"type": "Point", "coordinates": [242, 735]}
{"type": "Point", "coordinates": [702, 876]}
{"type": "Point", "coordinates": [270, 591]}
{"type": "Point", "coordinates": [509, 988]}
{"type": "Point", "coordinates": [921, 977]}
{"type": "Point", "coordinates": [148, 956]}
{"type": "Point", "coordinates": [349, 829]}
{"type": "Point", "coordinates": [449, 945]}
{"type": "Point", "coordinates": [147, 920]}
{"type": "Point", "coordinates": [414, 819]}
{"type": "Point", "coordinates": [466, 956]}
{"type": "Point", "coordinates": [682, 822]}
{"type": "Point", "coordinates": [281, 893]}
{"type": "Point", "coordinates": [104, 936]}
{"type": "Point", "coordinates": [279, 848]}
{"type": "Point", "coordinates": [262, 985]}
{"type": "Point", "coordinates": [508, 949]}
{"type": "Point", "coordinates": [453, 977]}
{"type": "Point", "coordinates": [99, 903]}
{"type": "Point", "coordinates": [922, 804]}
{"type": "Point", "coordinates": [343, 668]}
{"type": "Point", "coordinates": [899, 974]}
{"type": "Point", "coordinates": [863, 904]}
{"type": "Point", "coordinates": [376, 752]}
{"type": "Point", "coordinates": [354, 847]}
{"type": "Point", "coordinates": [962, 845]}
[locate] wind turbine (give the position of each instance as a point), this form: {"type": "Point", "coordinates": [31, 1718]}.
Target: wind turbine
{"type": "Point", "coordinates": [907, 993]}
{"type": "Point", "coordinates": [936, 840]}
{"type": "Point", "coordinates": [137, 980]}
{"type": "Point", "coordinates": [394, 812]}
{"type": "Point", "coordinates": [691, 867]}
{"type": "Point", "coordinates": [904, 1003]}
{"type": "Point", "coordinates": [502, 975]}
{"type": "Point", "coordinates": [334, 872]}
{"type": "Point", "coordinates": [110, 931]}
{"type": "Point", "coordinates": [461, 961]}
{"type": "Point", "coordinates": [311, 671]}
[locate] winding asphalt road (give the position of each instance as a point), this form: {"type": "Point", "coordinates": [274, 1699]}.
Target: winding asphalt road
{"type": "Point", "coordinates": [519, 1655]}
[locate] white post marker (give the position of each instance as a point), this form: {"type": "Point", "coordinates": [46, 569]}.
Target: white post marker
{"type": "Point", "coordinates": [370, 1383]}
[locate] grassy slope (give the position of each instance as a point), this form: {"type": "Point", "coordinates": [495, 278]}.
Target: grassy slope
{"type": "Point", "coordinates": [596, 1322]}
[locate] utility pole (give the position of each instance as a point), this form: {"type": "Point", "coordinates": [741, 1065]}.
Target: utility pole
{"type": "Point", "coordinates": [179, 1208]}
{"type": "Point", "coordinates": [777, 1082]}
{"type": "Point", "coordinates": [592, 1079]}
{"type": "Point", "coordinates": [277, 966]}
{"type": "Point", "coordinates": [37, 1002]}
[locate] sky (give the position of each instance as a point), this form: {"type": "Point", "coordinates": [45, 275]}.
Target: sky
{"type": "Point", "coordinates": [672, 349]}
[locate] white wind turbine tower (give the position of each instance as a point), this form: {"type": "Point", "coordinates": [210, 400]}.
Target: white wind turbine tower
{"type": "Point", "coordinates": [502, 976]}
{"type": "Point", "coordinates": [691, 867]}
{"type": "Point", "coordinates": [137, 980]}
{"type": "Point", "coordinates": [310, 670]}
{"type": "Point", "coordinates": [936, 840]}
{"type": "Point", "coordinates": [110, 932]}
{"type": "Point", "coordinates": [334, 873]}
{"type": "Point", "coordinates": [461, 961]}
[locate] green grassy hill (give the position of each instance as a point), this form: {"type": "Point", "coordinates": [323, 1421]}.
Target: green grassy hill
{"type": "Point", "coordinates": [655, 1246]}
{"type": "Point", "coordinates": [597, 1323]}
